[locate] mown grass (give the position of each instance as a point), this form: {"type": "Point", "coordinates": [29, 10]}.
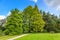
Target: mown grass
{"type": "Point", "coordinates": [6, 37]}
{"type": "Point", "coordinates": [41, 36]}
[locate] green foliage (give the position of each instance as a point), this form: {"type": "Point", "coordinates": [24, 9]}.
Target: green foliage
{"type": "Point", "coordinates": [37, 23]}
{"type": "Point", "coordinates": [27, 16]}
{"type": "Point", "coordinates": [58, 25]}
{"type": "Point", "coordinates": [6, 32]}
{"type": "Point", "coordinates": [1, 33]}
{"type": "Point", "coordinates": [31, 19]}
{"type": "Point", "coordinates": [14, 22]}
{"type": "Point", "coordinates": [51, 22]}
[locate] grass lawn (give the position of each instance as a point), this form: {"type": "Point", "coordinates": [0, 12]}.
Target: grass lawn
{"type": "Point", "coordinates": [41, 36]}
{"type": "Point", "coordinates": [6, 37]}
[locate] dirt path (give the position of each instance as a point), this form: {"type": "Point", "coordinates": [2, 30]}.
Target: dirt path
{"type": "Point", "coordinates": [18, 37]}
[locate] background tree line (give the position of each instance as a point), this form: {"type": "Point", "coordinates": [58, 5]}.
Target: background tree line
{"type": "Point", "coordinates": [30, 20]}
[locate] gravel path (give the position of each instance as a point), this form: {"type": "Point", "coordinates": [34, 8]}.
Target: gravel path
{"type": "Point", "coordinates": [17, 37]}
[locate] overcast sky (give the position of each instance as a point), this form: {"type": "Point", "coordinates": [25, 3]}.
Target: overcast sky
{"type": "Point", "coordinates": [53, 6]}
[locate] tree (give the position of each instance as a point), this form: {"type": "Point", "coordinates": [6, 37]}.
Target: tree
{"type": "Point", "coordinates": [27, 15]}
{"type": "Point", "coordinates": [37, 22]}
{"type": "Point", "coordinates": [58, 25]}
{"type": "Point", "coordinates": [50, 21]}
{"type": "Point", "coordinates": [33, 19]}
{"type": "Point", "coordinates": [14, 23]}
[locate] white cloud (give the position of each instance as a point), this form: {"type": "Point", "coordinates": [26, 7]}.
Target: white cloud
{"type": "Point", "coordinates": [53, 3]}
{"type": "Point", "coordinates": [8, 13]}
{"type": "Point", "coordinates": [2, 17]}
{"type": "Point", "coordinates": [58, 8]}
{"type": "Point", "coordinates": [34, 0]}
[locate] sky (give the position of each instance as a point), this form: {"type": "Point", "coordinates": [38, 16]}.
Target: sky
{"type": "Point", "coordinates": [52, 6]}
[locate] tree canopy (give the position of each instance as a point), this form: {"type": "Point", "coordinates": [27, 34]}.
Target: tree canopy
{"type": "Point", "coordinates": [30, 20]}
